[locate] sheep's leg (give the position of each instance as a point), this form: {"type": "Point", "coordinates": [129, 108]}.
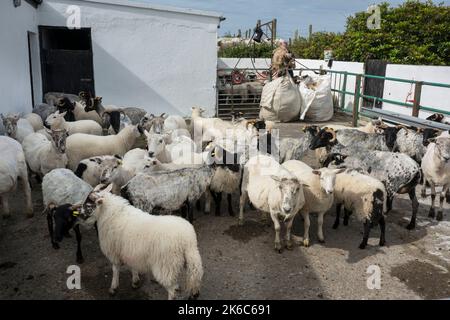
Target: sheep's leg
{"type": "Point", "coordinates": [447, 196]}
{"type": "Point", "coordinates": [276, 223]}
{"type": "Point", "coordinates": [217, 201]}
{"type": "Point", "coordinates": [382, 231]}
{"type": "Point", "coordinates": [5, 204]}
{"type": "Point", "coordinates": [440, 213]}
{"type": "Point", "coordinates": [115, 279]}
{"type": "Point", "coordinates": [230, 206]}
{"type": "Point", "coordinates": [171, 292]}
{"type": "Point", "coordinates": [320, 227]}
{"type": "Point", "coordinates": [27, 191]}
{"type": "Point", "coordinates": [288, 233]}
{"type": "Point", "coordinates": [242, 201]}
{"type": "Point", "coordinates": [306, 226]}
{"type": "Point", "coordinates": [190, 207]}
{"type": "Point", "coordinates": [135, 280]}
{"type": "Point", "coordinates": [347, 214]}
{"type": "Point", "coordinates": [55, 244]}
{"type": "Point", "coordinates": [338, 212]}
{"type": "Point", "coordinates": [80, 258]}
{"type": "Point", "coordinates": [389, 203]}
{"type": "Point", "coordinates": [207, 202]}
{"type": "Point", "coordinates": [366, 234]}
{"type": "Point", "coordinates": [415, 208]}
{"type": "Point", "coordinates": [423, 192]}
{"type": "Point", "coordinates": [433, 197]}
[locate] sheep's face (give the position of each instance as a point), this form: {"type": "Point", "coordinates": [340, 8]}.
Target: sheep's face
{"type": "Point", "coordinates": [428, 134]}
{"type": "Point", "coordinates": [327, 178]}
{"type": "Point", "coordinates": [157, 124]}
{"type": "Point", "coordinates": [146, 121]}
{"type": "Point", "coordinates": [442, 148]}
{"type": "Point", "coordinates": [437, 117]}
{"type": "Point", "coordinates": [323, 138]}
{"type": "Point", "coordinates": [390, 134]}
{"type": "Point", "coordinates": [10, 124]}
{"type": "Point", "coordinates": [87, 100]}
{"type": "Point", "coordinates": [109, 173]}
{"type": "Point", "coordinates": [291, 191]}
{"type": "Point", "coordinates": [197, 111]}
{"type": "Point", "coordinates": [54, 119]}
{"type": "Point", "coordinates": [155, 144]}
{"type": "Point", "coordinates": [59, 139]}
{"type": "Point", "coordinates": [95, 198]}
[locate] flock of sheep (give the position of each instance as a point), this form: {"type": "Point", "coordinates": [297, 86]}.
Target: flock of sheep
{"type": "Point", "coordinates": [92, 173]}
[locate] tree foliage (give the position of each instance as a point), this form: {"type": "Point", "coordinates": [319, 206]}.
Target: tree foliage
{"type": "Point", "coordinates": [412, 33]}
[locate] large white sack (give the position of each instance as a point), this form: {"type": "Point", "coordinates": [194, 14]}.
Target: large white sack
{"type": "Point", "coordinates": [61, 186]}
{"type": "Point", "coordinates": [280, 100]}
{"type": "Point", "coordinates": [318, 103]}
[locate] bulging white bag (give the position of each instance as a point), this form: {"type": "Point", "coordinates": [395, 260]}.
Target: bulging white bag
{"type": "Point", "coordinates": [280, 100]}
{"type": "Point", "coordinates": [318, 99]}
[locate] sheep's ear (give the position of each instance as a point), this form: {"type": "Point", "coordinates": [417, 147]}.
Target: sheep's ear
{"type": "Point", "coordinates": [316, 172]}
{"type": "Point", "coordinates": [99, 201]}
{"type": "Point", "coordinates": [340, 170]}
{"type": "Point", "coordinates": [108, 188]}
{"type": "Point", "coordinates": [118, 156]}
{"type": "Point", "coordinates": [164, 115]}
{"type": "Point", "coordinates": [147, 134]}
{"type": "Point", "coordinates": [432, 140]}
{"type": "Point", "coordinates": [63, 114]}
{"type": "Point", "coordinates": [50, 132]}
{"type": "Point", "coordinates": [276, 178]}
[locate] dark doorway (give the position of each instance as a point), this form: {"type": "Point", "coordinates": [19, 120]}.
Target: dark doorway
{"type": "Point", "coordinates": [66, 60]}
{"type": "Point", "coordinates": [374, 87]}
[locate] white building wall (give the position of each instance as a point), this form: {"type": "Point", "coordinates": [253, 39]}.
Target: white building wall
{"type": "Point", "coordinates": [159, 60]}
{"type": "Point", "coordinates": [15, 88]}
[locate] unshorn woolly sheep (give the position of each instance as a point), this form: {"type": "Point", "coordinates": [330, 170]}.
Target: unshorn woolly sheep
{"type": "Point", "coordinates": [56, 121]}
{"type": "Point", "coordinates": [145, 243]}
{"type": "Point", "coordinates": [16, 127]}
{"type": "Point", "coordinates": [91, 169]}
{"type": "Point", "coordinates": [12, 167]}
{"type": "Point", "coordinates": [272, 189]}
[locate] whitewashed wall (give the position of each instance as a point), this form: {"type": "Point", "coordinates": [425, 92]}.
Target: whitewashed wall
{"type": "Point", "coordinates": [434, 97]}
{"type": "Point", "coordinates": [15, 88]}
{"type": "Point", "coordinates": [160, 60]}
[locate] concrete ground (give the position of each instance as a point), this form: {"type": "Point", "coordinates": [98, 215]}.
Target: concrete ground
{"type": "Point", "coordinates": [239, 261]}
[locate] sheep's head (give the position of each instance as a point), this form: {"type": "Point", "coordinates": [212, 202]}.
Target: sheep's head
{"type": "Point", "coordinates": [10, 124]}
{"type": "Point", "coordinates": [87, 100]}
{"type": "Point", "coordinates": [94, 199]}
{"type": "Point", "coordinates": [155, 143]}
{"type": "Point", "coordinates": [291, 191]}
{"type": "Point", "coordinates": [390, 134]}
{"type": "Point", "coordinates": [197, 111]}
{"type": "Point", "coordinates": [312, 130]}
{"type": "Point", "coordinates": [54, 119]}
{"type": "Point", "coordinates": [325, 137]}
{"type": "Point", "coordinates": [427, 134]}
{"type": "Point", "coordinates": [327, 178]}
{"type": "Point", "coordinates": [442, 149]}
{"type": "Point", "coordinates": [65, 218]}
{"type": "Point", "coordinates": [59, 139]}
{"type": "Point", "coordinates": [336, 159]}
{"type": "Point", "coordinates": [436, 117]}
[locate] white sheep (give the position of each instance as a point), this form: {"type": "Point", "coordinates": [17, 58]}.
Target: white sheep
{"type": "Point", "coordinates": [157, 147]}
{"type": "Point", "coordinates": [145, 243]}
{"type": "Point", "coordinates": [318, 191]}
{"type": "Point", "coordinates": [16, 127]}
{"type": "Point", "coordinates": [81, 146]}
{"type": "Point", "coordinates": [12, 167]}
{"type": "Point", "coordinates": [56, 121]}
{"type": "Point", "coordinates": [436, 170]}
{"type": "Point", "coordinates": [272, 189]}
{"type": "Point", "coordinates": [91, 169]}
{"type": "Point", "coordinates": [44, 155]}
{"type": "Point", "coordinates": [35, 121]}
{"type": "Point", "coordinates": [363, 195]}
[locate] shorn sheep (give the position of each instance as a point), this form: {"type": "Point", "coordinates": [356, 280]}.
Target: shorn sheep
{"type": "Point", "coordinates": [272, 189]}
{"type": "Point", "coordinates": [35, 121]}
{"type": "Point", "coordinates": [436, 170]}
{"type": "Point", "coordinates": [56, 121]}
{"type": "Point", "coordinates": [398, 172]}
{"type": "Point", "coordinates": [168, 191]}
{"type": "Point", "coordinates": [81, 146]}
{"type": "Point", "coordinates": [16, 127]}
{"type": "Point", "coordinates": [12, 167]}
{"type": "Point", "coordinates": [145, 243]}
{"type": "Point", "coordinates": [318, 192]}
{"type": "Point", "coordinates": [43, 110]}
{"type": "Point", "coordinates": [43, 155]}
{"type": "Point", "coordinates": [365, 197]}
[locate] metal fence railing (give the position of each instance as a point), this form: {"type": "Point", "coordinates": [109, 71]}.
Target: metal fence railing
{"type": "Point", "coordinates": [230, 98]}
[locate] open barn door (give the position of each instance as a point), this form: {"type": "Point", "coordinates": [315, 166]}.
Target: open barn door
{"type": "Point", "coordinates": [66, 60]}
{"type": "Point", "coordinates": [374, 87]}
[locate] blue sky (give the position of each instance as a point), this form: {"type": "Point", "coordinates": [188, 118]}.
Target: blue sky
{"type": "Point", "coordinates": [324, 15]}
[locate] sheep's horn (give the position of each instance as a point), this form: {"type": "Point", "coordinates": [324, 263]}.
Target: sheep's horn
{"type": "Point", "coordinates": [333, 133]}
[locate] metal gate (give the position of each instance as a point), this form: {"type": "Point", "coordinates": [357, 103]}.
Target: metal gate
{"type": "Point", "coordinates": [239, 90]}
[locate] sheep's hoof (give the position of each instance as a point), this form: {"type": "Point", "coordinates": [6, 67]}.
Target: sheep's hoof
{"type": "Point", "coordinates": [6, 216]}
{"type": "Point", "coordinates": [231, 213]}
{"type": "Point", "coordinates": [241, 222]}
{"type": "Point", "coordinates": [289, 245]}
{"type": "Point", "coordinates": [411, 226]}
{"type": "Point", "coordinates": [423, 194]}
{"type": "Point", "coordinates": [306, 243]}
{"type": "Point", "coordinates": [194, 296]}
{"type": "Point", "coordinates": [136, 285]}
{"type": "Point", "coordinates": [30, 215]}
{"type": "Point", "coordinates": [382, 242]}
{"type": "Point", "coordinates": [217, 213]}
{"type": "Point", "coordinates": [112, 291]}
{"type": "Point", "coordinates": [55, 245]}
{"type": "Point", "coordinates": [362, 245]}
{"type": "Point", "coordinates": [278, 247]}
{"type": "Point", "coordinates": [439, 216]}
{"type": "Point", "coordinates": [431, 213]}
{"type": "Point", "coordinates": [335, 226]}
{"type": "Point", "coordinates": [80, 260]}
{"type": "Point", "coordinates": [447, 198]}
{"type": "Point", "coordinates": [321, 240]}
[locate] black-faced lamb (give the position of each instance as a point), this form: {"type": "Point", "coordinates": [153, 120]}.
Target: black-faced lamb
{"type": "Point", "coordinates": [164, 246]}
